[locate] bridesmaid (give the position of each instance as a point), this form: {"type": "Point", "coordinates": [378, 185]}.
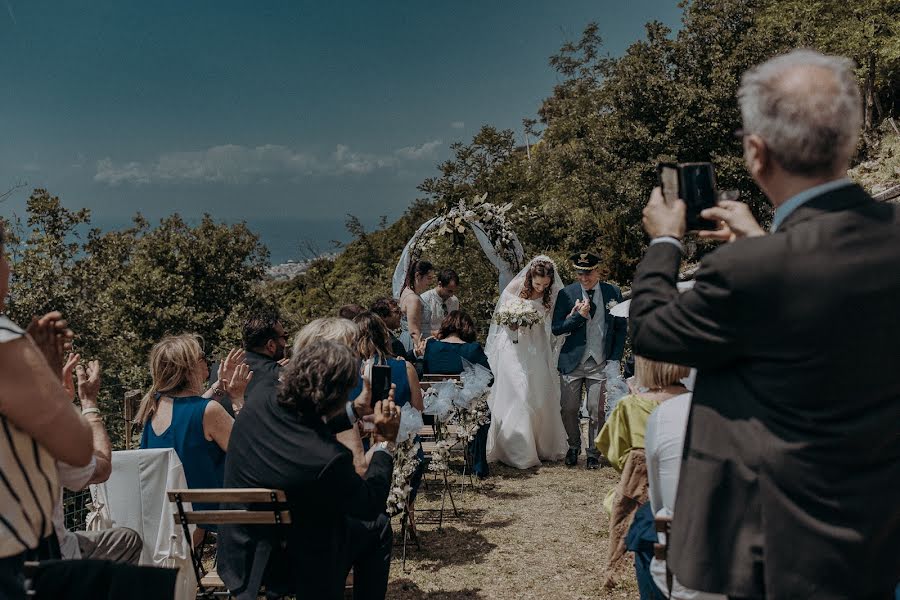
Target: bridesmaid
{"type": "Point", "coordinates": [415, 320]}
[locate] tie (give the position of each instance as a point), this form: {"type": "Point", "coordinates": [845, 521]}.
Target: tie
{"type": "Point", "coordinates": [590, 295]}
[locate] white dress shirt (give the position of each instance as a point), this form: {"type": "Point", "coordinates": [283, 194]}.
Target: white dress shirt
{"type": "Point", "coordinates": [663, 447]}
{"type": "Point", "coordinates": [433, 300]}
{"type": "Point", "coordinates": [75, 479]}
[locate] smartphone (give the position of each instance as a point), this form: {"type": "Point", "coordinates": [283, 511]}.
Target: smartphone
{"type": "Point", "coordinates": [695, 184]}
{"type": "Point", "coordinates": [381, 382]}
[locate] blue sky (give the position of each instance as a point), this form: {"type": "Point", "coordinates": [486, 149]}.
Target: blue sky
{"type": "Point", "coordinates": [271, 111]}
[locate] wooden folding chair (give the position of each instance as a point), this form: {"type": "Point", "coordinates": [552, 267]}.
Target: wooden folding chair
{"type": "Point", "coordinates": [269, 508]}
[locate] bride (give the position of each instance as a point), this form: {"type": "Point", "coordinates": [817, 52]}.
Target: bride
{"type": "Point", "coordinates": [526, 426]}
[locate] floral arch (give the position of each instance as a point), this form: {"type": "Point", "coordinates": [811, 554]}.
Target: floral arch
{"type": "Point", "coordinates": [490, 226]}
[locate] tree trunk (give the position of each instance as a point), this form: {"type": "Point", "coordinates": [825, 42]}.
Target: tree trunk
{"type": "Point", "coordinates": [869, 95]}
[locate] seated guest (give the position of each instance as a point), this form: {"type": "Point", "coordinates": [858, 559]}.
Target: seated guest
{"type": "Point", "coordinates": [264, 340]}
{"type": "Point", "coordinates": [665, 435]}
{"type": "Point", "coordinates": [337, 517]}
{"type": "Point", "coordinates": [443, 356]}
{"type": "Point", "coordinates": [389, 311]}
{"type": "Point", "coordinates": [41, 426]}
{"type": "Point", "coordinates": [118, 544]}
{"type": "Point", "coordinates": [174, 413]}
{"type": "Point", "coordinates": [349, 311]}
{"type": "Point", "coordinates": [372, 343]}
{"type": "Point", "coordinates": [345, 332]}
{"type": "Point", "coordinates": [621, 441]}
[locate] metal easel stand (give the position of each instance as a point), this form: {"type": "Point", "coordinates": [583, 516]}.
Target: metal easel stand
{"type": "Point", "coordinates": [447, 491]}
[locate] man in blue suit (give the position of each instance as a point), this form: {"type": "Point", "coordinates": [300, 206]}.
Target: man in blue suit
{"type": "Point", "coordinates": [594, 339]}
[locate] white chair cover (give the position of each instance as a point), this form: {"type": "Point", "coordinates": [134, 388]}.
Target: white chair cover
{"type": "Point", "coordinates": [136, 498]}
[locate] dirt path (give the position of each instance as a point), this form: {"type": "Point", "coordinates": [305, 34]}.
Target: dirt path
{"type": "Point", "coordinates": [539, 533]}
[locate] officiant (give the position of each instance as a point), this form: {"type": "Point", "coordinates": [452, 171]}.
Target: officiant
{"type": "Point", "coordinates": [594, 343]}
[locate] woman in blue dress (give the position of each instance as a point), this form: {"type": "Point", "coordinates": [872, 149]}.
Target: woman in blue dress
{"type": "Point", "coordinates": [374, 342]}
{"type": "Point", "coordinates": [175, 413]}
{"type": "Point", "coordinates": [443, 356]}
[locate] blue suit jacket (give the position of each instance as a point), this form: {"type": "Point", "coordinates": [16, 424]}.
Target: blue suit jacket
{"type": "Point", "coordinates": [573, 348]}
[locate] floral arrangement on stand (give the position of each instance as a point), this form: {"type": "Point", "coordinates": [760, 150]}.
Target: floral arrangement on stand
{"type": "Point", "coordinates": [461, 407]}
{"type": "Point", "coordinates": [406, 460]}
{"type": "Point", "coordinates": [516, 313]}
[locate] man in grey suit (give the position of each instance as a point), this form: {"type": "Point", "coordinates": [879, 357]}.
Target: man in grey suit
{"type": "Point", "coordinates": [789, 477]}
{"type": "Point", "coordinates": [595, 340]}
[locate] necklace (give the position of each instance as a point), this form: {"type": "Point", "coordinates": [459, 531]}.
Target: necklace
{"type": "Point", "coordinates": [669, 389]}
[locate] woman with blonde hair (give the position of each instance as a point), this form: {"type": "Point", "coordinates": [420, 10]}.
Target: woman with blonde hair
{"type": "Point", "coordinates": [175, 414]}
{"type": "Point", "coordinates": [621, 441]}
{"type": "Point", "coordinates": [328, 328]}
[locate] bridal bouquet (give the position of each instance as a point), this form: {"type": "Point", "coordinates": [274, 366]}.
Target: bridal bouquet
{"type": "Point", "coordinates": [518, 313]}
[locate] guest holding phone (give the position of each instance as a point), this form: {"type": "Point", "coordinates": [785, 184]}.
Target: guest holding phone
{"type": "Point", "coordinates": [373, 344]}
{"type": "Point", "coordinates": [338, 518]}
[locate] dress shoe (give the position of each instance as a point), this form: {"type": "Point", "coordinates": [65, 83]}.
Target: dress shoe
{"type": "Point", "coordinates": [571, 458]}
{"type": "Point", "coordinates": [592, 463]}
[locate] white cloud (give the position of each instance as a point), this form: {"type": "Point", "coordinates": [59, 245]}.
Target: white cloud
{"type": "Point", "coordinates": [111, 174]}
{"type": "Point", "coordinates": [220, 164]}
{"type": "Point", "coordinates": [348, 161]}
{"type": "Point", "coordinates": [458, 124]}
{"type": "Point", "coordinates": [426, 150]}
{"type": "Point", "coordinates": [234, 164]}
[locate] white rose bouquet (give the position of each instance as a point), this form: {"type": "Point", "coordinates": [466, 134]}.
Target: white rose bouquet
{"type": "Point", "coordinates": [517, 313]}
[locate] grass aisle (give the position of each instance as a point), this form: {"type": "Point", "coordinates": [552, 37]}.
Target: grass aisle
{"type": "Point", "coordinates": [539, 533]}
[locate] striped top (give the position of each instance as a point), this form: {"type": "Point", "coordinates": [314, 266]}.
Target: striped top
{"type": "Point", "coordinates": [29, 485]}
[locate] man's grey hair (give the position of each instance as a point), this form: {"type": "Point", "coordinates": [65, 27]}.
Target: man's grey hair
{"type": "Point", "coordinates": [811, 128]}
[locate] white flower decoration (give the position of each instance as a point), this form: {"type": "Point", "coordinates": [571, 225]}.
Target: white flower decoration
{"type": "Point", "coordinates": [610, 304]}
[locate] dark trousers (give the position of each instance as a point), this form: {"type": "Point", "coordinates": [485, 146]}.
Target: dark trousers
{"type": "Point", "coordinates": [478, 451]}
{"type": "Point", "coordinates": [12, 577]}
{"type": "Point", "coordinates": [640, 539]}
{"type": "Point", "coordinates": [369, 553]}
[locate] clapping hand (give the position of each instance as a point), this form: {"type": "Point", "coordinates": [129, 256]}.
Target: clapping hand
{"type": "Point", "coordinates": [53, 337]}
{"type": "Point", "coordinates": [88, 383]}
{"type": "Point", "coordinates": [240, 378]}
{"type": "Point", "coordinates": [67, 374]}
{"type": "Point", "coordinates": [583, 308]}
{"type": "Point", "coordinates": [232, 361]}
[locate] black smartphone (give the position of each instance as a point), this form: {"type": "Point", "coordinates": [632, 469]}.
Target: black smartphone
{"type": "Point", "coordinates": [381, 383]}
{"type": "Point", "coordinates": [695, 184]}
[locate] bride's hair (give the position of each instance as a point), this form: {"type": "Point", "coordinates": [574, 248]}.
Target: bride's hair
{"type": "Point", "coordinates": [540, 268]}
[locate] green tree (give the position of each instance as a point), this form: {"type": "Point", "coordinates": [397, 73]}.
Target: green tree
{"type": "Point", "coordinates": [122, 291]}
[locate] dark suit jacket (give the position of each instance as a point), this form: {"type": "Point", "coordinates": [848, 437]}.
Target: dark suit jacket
{"type": "Point", "coordinates": [274, 447]}
{"type": "Point", "coordinates": [792, 454]}
{"type": "Point", "coordinates": [263, 384]}
{"type": "Point", "coordinates": [573, 348]}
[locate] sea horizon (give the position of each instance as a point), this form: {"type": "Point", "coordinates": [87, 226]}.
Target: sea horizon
{"type": "Point", "coordinates": [288, 239]}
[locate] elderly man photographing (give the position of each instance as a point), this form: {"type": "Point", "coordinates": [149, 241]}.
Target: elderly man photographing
{"type": "Point", "coordinates": [788, 485]}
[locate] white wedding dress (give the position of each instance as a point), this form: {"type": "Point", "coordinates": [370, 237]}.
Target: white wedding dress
{"type": "Point", "coordinates": [526, 426]}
